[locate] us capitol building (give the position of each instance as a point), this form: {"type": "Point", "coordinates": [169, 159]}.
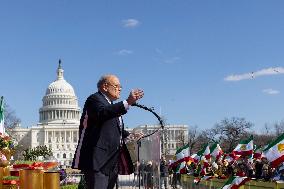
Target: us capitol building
{"type": "Point", "coordinates": [59, 119]}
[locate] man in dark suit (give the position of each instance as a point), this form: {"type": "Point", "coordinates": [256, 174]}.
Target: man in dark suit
{"type": "Point", "coordinates": [100, 133]}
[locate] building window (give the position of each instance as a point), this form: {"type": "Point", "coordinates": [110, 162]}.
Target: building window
{"type": "Point", "coordinates": [58, 155]}
{"type": "Point", "coordinates": [71, 155]}
{"type": "Point", "coordinates": [37, 137]}
{"type": "Point", "coordinates": [64, 155]}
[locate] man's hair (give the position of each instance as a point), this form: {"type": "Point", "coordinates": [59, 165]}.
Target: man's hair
{"type": "Point", "coordinates": [104, 79]}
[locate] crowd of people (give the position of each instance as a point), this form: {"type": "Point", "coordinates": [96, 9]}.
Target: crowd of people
{"type": "Point", "coordinates": [259, 169]}
{"type": "Point", "coordinates": [169, 177]}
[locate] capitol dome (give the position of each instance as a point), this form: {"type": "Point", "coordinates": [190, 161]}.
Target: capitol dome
{"type": "Point", "coordinates": [60, 103]}
{"type": "Point", "coordinates": [60, 86]}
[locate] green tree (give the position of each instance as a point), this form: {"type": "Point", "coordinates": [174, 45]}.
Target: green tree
{"type": "Point", "coordinates": [31, 154]}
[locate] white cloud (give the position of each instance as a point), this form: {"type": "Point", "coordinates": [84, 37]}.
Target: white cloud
{"type": "Point", "coordinates": [130, 23]}
{"type": "Point", "coordinates": [252, 75]}
{"type": "Point", "coordinates": [172, 60]}
{"type": "Point", "coordinates": [270, 91]}
{"type": "Point", "coordinates": [124, 52]}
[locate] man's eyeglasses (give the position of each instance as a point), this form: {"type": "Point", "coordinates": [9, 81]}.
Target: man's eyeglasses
{"type": "Point", "coordinates": [115, 86]}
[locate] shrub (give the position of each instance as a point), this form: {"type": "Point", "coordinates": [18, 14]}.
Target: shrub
{"type": "Point", "coordinates": [74, 186]}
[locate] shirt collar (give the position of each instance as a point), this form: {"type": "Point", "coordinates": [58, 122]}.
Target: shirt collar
{"type": "Point", "coordinates": [109, 101]}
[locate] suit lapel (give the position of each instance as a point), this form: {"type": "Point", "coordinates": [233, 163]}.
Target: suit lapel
{"type": "Point", "coordinates": [117, 118]}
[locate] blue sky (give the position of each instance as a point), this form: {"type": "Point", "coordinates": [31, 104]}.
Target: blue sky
{"type": "Point", "coordinates": [197, 61]}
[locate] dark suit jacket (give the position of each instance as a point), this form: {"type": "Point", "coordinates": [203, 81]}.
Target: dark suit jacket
{"type": "Point", "coordinates": [99, 135]}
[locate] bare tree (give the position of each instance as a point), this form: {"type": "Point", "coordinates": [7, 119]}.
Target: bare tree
{"type": "Point", "coordinates": [10, 119]}
{"type": "Point", "coordinates": [279, 128]}
{"type": "Point", "coordinates": [262, 139]}
{"type": "Point", "coordinates": [267, 129]}
{"type": "Point", "coordinates": [231, 131]}
{"type": "Point", "coordinates": [192, 137]}
{"type": "Point", "coordinates": [181, 141]}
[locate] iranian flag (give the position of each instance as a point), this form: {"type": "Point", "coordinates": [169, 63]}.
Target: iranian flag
{"type": "Point", "coordinates": [231, 157]}
{"type": "Point", "coordinates": [203, 164]}
{"type": "Point", "coordinates": [2, 128]}
{"type": "Point", "coordinates": [274, 152]}
{"type": "Point", "coordinates": [216, 151]}
{"type": "Point", "coordinates": [204, 152]}
{"type": "Point", "coordinates": [245, 147]}
{"type": "Point", "coordinates": [181, 168]}
{"type": "Point", "coordinates": [257, 154]}
{"type": "Point", "coordinates": [182, 154]}
{"type": "Point", "coordinates": [235, 182]}
{"type": "Point", "coordinates": [195, 158]}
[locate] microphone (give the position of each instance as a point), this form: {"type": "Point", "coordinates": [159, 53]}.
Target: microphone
{"type": "Point", "coordinates": [150, 110]}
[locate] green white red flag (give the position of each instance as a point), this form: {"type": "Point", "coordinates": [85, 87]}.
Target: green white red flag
{"type": "Point", "coordinates": [235, 182]}
{"type": "Point", "coordinates": [231, 157]}
{"type": "Point", "coordinates": [181, 168]}
{"type": "Point", "coordinates": [274, 152]}
{"type": "Point", "coordinates": [216, 151]}
{"type": "Point", "coordinates": [257, 154]}
{"type": "Point", "coordinates": [204, 152]}
{"type": "Point", "coordinates": [182, 154]}
{"type": "Point", "coordinates": [245, 147]}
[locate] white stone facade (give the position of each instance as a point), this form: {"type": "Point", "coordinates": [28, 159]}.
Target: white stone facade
{"type": "Point", "coordinates": [59, 119]}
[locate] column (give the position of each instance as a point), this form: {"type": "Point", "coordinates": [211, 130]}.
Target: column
{"type": "Point", "coordinates": [65, 136]}
{"type": "Point", "coordinates": [53, 136]}
{"type": "Point", "coordinates": [71, 136]}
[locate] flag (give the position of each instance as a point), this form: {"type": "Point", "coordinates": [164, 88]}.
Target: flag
{"type": "Point", "coordinates": [235, 182]}
{"type": "Point", "coordinates": [231, 157]}
{"type": "Point", "coordinates": [182, 154]}
{"type": "Point", "coordinates": [2, 128]}
{"type": "Point", "coordinates": [195, 158]}
{"type": "Point", "coordinates": [202, 165]}
{"type": "Point", "coordinates": [216, 151]}
{"type": "Point", "coordinates": [181, 168]}
{"type": "Point", "coordinates": [274, 152]}
{"type": "Point", "coordinates": [257, 154]}
{"type": "Point", "coordinates": [245, 147]}
{"type": "Point", "coordinates": [205, 151]}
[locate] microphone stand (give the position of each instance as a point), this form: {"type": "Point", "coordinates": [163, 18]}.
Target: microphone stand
{"type": "Point", "coordinates": [139, 140]}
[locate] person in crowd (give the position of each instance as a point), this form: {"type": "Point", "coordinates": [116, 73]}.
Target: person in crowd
{"type": "Point", "coordinates": [149, 173]}
{"type": "Point", "coordinates": [142, 170]}
{"type": "Point", "coordinates": [101, 133]}
{"type": "Point", "coordinates": [258, 168]}
{"type": "Point", "coordinates": [136, 170]}
{"type": "Point", "coordinates": [164, 173]}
